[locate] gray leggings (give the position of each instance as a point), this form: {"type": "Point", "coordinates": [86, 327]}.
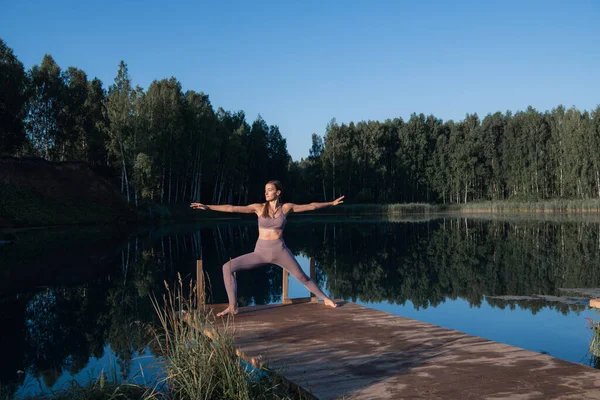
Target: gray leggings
{"type": "Point", "coordinates": [266, 252]}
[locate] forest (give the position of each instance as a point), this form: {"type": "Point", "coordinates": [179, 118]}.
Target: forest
{"type": "Point", "coordinates": [171, 146]}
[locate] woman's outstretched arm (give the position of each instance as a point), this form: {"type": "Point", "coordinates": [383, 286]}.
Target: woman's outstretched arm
{"type": "Point", "coordinates": [249, 209]}
{"type": "Point", "coordinates": [298, 208]}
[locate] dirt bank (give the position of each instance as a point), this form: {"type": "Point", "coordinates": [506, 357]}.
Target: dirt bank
{"type": "Point", "coordinates": [35, 192]}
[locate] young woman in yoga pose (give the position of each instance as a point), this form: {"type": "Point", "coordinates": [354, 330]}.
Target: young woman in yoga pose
{"type": "Point", "coordinates": [270, 247]}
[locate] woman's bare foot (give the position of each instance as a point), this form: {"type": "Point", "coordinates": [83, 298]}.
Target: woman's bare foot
{"type": "Point", "coordinates": [229, 310]}
{"type": "Point", "coordinates": [329, 303]}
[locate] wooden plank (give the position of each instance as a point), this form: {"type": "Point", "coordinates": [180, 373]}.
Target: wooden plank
{"type": "Point", "coordinates": [313, 274]}
{"type": "Point", "coordinates": [297, 300]}
{"type": "Point", "coordinates": [360, 353]}
{"type": "Point", "coordinates": [200, 288]}
{"type": "Point", "coordinates": [285, 286]}
{"type": "Point", "coordinates": [285, 299]}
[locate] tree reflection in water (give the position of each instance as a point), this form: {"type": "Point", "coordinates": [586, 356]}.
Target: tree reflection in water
{"type": "Point", "coordinates": [68, 296]}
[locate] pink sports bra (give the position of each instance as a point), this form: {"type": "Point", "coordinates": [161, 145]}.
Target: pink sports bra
{"type": "Point", "coordinates": [277, 222]}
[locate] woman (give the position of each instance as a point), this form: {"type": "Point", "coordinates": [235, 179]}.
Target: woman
{"type": "Point", "coordinates": [270, 247]}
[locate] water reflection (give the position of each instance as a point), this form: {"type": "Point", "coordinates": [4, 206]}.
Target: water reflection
{"type": "Point", "coordinates": [70, 297]}
{"type": "Point", "coordinates": [430, 262]}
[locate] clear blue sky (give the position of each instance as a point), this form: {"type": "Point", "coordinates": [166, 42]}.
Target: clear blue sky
{"type": "Point", "coordinates": [301, 63]}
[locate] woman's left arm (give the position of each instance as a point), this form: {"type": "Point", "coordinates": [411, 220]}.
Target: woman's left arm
{"type": "Point", "coordinates": [298, 208]}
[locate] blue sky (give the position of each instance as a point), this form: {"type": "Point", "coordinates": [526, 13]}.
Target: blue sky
{"type": "Point", "coordinates": [301, 63]}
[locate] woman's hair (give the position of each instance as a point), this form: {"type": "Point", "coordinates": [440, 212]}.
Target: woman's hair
{"type": "Point", "coordinates": [278, 186]}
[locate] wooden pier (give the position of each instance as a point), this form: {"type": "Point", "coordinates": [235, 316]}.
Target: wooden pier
{"type": "Point", "coordinates": [355, 352]}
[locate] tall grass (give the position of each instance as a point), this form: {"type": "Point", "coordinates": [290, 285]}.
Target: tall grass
{"type": "Point", "coordinates": [541, 206]}
{"type": "Point", "coordinates": [200, 361]}
{"type": "Point", "coordinates": [381, 209]}
{"type": "Point", "coordinates": [594, 326]}
{"type": "Point", "coordinates": [564, 206]}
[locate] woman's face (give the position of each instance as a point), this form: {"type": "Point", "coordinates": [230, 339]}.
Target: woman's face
{"type": "Point", "coordinates": [271, 192]}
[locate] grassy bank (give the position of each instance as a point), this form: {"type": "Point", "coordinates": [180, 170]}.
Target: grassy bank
{"type": "Point", "coordinates": [542, 206]}
{"type": "Point", "coordinates": [493, 207]}
{"type": "Point", "coordinates": [381, 209]}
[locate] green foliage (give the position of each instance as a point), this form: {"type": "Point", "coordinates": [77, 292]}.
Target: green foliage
{"type": "Point", "coordinates": [172, 147]}
{"type": "Point", "coordinates": [156, 213]}
{"type": "Point", "coordinates": [525, 156]}
{"type": "Point", "coordinates": [142, 170]}
{"type": "Point", "coordinates": [45, 104]}
{"type": "Point", "coordinates": [13, 86]}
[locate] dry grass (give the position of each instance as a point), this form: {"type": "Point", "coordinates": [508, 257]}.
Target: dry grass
{"type": "Point", "coordinates": [198, 361]}
{"type": "Point", "coordinates": [202, 362]}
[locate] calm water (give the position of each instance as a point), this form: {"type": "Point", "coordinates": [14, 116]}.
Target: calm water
{"type": "Point", "coordinates": [74, 302]}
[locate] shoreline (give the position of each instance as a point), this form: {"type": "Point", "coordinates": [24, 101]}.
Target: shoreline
{"type": "Point", "coordinates": [504, 208]}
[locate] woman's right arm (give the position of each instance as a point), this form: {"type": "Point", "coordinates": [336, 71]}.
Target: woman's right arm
{"type": "Point", "coordinates": [249, 209]}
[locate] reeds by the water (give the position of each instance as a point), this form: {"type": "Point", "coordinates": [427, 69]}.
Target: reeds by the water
{"type": "Point", "coordinates": [490, 207]}
{"type": "Point", "coordinates": [541, 206]}
{"type": "Point", "coordinates": [198, 360]}
{"type": "Point", "coordinates": [383, 209]}
{"type": "Point", "coordinates": [595, 341]}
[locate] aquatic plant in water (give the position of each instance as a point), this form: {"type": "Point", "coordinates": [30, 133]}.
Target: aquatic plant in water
{"type": "Point", "coordinates": [594, 326]}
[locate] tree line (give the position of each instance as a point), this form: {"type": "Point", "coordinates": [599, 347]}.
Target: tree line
{"type": "Point", "coordinates": [172, 146]}
{"type": "Point", "coordinates": [163, 144]}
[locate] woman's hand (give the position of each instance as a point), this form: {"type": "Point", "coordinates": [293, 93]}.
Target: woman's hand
{"type": "Point", "coordinates": [337, 201]}
{"type": "Point", "coordinates": [199, 206]}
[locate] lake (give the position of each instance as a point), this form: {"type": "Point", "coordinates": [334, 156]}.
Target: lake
{"type": "Point", "coordinates": [76, 302]}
